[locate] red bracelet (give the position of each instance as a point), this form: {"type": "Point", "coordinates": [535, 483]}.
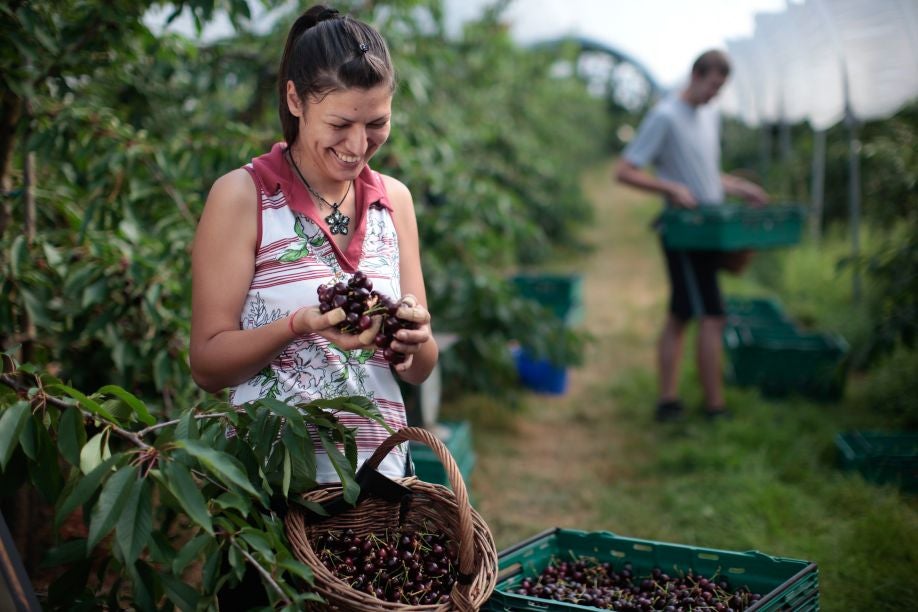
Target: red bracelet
{"type": "Point", "coordinates": [290, 322]}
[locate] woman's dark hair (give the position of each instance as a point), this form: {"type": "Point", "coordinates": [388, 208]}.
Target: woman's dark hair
{"type": "Point", "coordinates": [327, 51]}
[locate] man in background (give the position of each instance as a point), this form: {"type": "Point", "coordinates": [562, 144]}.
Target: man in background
{"type": "Point", "coordinates": [680, 139]}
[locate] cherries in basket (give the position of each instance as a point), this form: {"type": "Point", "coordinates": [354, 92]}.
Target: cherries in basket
{"type": "Point", "coordinates": [361, 303]}
{"type": "Point", "coordinates": [406, 566]}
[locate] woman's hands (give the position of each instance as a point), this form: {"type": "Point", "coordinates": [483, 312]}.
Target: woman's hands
{"type": "Point", "coordinates": [407, 341]}
{"type": "Point", "coordinates": [410, 341]}
{"type": "Point", "coordinates": [311, 320]}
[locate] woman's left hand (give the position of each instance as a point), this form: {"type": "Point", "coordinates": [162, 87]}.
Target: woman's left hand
{"type": "Point", "coordinates": [409, 341]}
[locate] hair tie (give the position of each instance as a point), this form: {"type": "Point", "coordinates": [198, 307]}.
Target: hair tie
{"type": "Point", "coordinates": [364, 47]}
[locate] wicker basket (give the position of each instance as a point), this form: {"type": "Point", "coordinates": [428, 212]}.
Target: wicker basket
{"type": "Point", "coordinates": [434, 506]}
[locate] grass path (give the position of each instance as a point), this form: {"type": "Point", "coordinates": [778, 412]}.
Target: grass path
{"type": "Point", "coordinates": [545, 467]}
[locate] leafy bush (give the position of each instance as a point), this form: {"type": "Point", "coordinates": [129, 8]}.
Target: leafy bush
{"type": "Point", "coordinates": [176, 494]}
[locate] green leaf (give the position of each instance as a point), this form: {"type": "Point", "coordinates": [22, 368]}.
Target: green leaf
{"type": "Point", "coordinates": [12, 422]}
{"type": "Point", "coordinates": [86, 486]}
{"type": "Point", "coordinates": [288, 473]}
{"type": "Point", "coordinates": [112, 500]}
{"type": "Point", "coordinates": [235, 501]}
{"type": "Point", "coordinates": [349, 487]}
{"type": "Point", "coordinates": [27, 438]}
{"type": "Point", "coordinates": [84, 401]}
{"type": "Point", "coordinates": [95, 293]}
{"type": "Point", "coordinates": [187, 426]}
{"type": "Point", "coordinates": [45, 471]}
{"type": "Point", "coordinates": [303, 457]}
{"type": "Point", "coordinates": [258, 542]}
{"type": "Point", "coordinates": [298, 569]}
{"type": "Point", "coordinates": [67, 553]}
{"type": "Point", "coordinates": [191, 551]}
{"type": "Point", "coordinates": [293, 416]}
{"type": "Point", "coordinates": [71, 435]}
{"type": "Point", "coordinates": [223, 466]}
{"type": "Point", "coordinates": [188, 494]}
{"type": "Point", "coordinates": [143, 580]}
{"type": "Point", "coordinates": [19, 254]}
{"type": "Point", "coordinates": [131, 400]}
{"type": "Point", "coordinates": [136, 521]}
{"type": "Point", "coordinates": [94, 452]}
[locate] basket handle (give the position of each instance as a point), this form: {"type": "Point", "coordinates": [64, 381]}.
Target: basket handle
{"type": "Point", "coordinates": [466, 526]}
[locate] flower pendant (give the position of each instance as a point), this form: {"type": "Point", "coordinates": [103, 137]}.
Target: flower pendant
{"type": "Point", "coordinates": [337, 223]}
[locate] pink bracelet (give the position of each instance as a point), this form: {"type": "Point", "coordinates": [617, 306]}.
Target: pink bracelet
{"type": "Point", "coordinates": [290, 322]}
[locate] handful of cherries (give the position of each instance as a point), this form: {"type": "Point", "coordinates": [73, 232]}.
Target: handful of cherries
{"type": "Point", "coordinates": [406, 566]}
{"type": "Point", "coordinates": [361, 303]}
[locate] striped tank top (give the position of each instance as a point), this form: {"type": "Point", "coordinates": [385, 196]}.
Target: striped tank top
{"type": "Point", "coordinates": [294, 255]}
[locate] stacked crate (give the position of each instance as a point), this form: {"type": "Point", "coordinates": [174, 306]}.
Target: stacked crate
{"type": "Point", "coordinates": [766, 349]}
{"type": "Point", "coordinates": [881, 457]}
{"type": "Point", "coordinates": [562, 294]}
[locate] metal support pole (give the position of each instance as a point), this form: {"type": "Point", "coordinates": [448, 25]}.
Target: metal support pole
{"type": "Point", "coordinates": [854, 199]}
{"type": "Point", "coordinates": [818, 184]}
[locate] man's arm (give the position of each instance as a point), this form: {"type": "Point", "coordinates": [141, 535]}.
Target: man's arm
{"type": "Point", "coordinates": [628, 173]}
{"type": "Point", "coordinates": [746, 190]}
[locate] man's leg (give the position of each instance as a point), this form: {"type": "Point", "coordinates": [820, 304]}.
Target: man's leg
{"type": "Point", "coordinates": [710, 358]}
{"type": "Point", "coordinates": [669, 355]}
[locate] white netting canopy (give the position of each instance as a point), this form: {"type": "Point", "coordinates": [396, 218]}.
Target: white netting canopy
{"type": "Point", "coordinates": [810, 61]}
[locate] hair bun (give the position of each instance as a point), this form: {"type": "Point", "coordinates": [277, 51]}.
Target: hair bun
{"type": "Point", "coordinates": [328, 13]}
{"type": "Point", "coordinates": [320, 13]}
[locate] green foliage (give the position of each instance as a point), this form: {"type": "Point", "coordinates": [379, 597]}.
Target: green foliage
{"type": "Point", "coordinates": [128, 130]}
{"type": "Point", "coordinates": [222, 473]}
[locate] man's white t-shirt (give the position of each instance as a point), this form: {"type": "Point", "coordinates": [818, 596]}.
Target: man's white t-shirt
{"type": "Point", "coordinates": [683, 143]}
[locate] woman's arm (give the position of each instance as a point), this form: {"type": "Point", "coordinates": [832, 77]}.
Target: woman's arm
{"type": "Point", "coordinates": [418, 344]}
{"type": "Point", "coordinates": [222, 266]}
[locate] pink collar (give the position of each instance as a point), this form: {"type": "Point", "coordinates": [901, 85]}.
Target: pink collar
{"type": "Point", "coordinates": [275, 174]}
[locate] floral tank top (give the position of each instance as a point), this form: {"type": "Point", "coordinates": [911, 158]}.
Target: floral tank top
{"type": "Point", "coordinates": [294, 255]}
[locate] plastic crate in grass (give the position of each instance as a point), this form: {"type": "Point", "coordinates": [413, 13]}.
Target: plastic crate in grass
{"type": "Point", "coordinates": [785, 584]}
{"type": "Point", "coordinates": [539, 375]}
{"type": "Point", "coordinates": [732, 227]}
{"type": "Point", "coordinates": [881, 457]}
{"type": "Point", "coordinates": [758, 312]}
{"type": "Point", "coordinates": [560, 293]}
{"type": "Point", "coordinates": [457, 437]}
{"type": "Point", "coordinates": [781, 361]}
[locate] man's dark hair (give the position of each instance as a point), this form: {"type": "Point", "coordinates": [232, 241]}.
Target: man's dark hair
{"type": "Point", "coordinates": [325, 52]}
{"type": "Point", "coordinates": [709, 61]}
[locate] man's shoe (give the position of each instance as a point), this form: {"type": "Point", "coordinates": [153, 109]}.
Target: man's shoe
{"type": "Point", "coordinates": [669, 411]}
{"type": "Point", "coordinates": [718, 414]}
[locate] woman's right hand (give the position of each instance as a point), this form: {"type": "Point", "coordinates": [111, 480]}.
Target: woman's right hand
{"type": "Point", "coordinates": [311, 320]}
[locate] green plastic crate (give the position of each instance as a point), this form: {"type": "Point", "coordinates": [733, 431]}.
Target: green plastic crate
{"type": "Point", "coordinates": [785, 584]}
{"type": "Point", "coordinates": [732, 227]}
{"type": "Point", "coordinates": [757, 312]}
{"type": "Point", "coordinates": [457, 437]}
{"type": "Point", "coordinates": [560, 293]}
{"type": "Point", "coordinates": [881, 457]}
{"type": "Point", "coordinates": [781, 360]}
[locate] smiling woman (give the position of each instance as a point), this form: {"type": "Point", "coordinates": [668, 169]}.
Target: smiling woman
{"type": "Point", "coordinates": [312, 213]}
